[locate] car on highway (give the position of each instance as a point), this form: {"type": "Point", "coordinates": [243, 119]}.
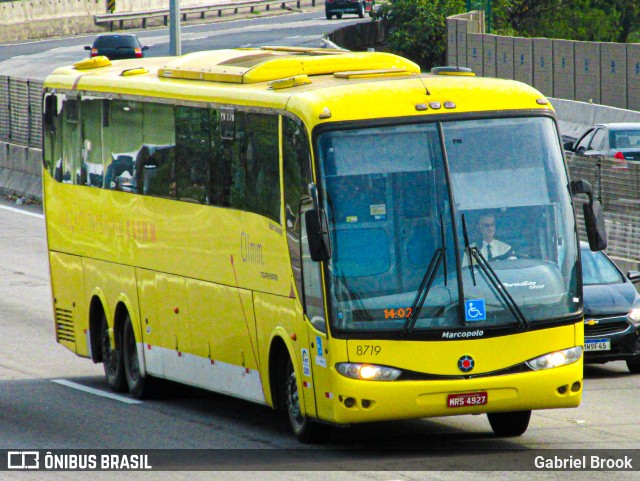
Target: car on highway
{"type": "Point", "coordinates": [618, 140]}
{"type": "Point", "coordinates": [611, 311]}
{"type": "Point", "coordinates": [117, 46]}
{"type": "Point", "coordinates": [338, 7]}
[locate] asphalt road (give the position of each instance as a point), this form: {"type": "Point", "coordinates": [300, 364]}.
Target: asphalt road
{"type": "Point", "coordinates": [36, 59]}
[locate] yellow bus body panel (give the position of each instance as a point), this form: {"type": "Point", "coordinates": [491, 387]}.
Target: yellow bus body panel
{"type": "Point", "coordinates": [210, 289]}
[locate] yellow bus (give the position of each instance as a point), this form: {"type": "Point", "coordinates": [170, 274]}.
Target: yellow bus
{"type": "Point", "coordinates": [301, 228]}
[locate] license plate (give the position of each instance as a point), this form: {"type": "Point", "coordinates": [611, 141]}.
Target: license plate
{"type": "Point", "coordinates": [597, 344]}
{"type": "Point", "coordinates": [467, 399]}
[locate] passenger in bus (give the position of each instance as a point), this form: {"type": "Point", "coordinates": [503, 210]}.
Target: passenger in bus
{"type": "Point", "coordinates": [491, 248]}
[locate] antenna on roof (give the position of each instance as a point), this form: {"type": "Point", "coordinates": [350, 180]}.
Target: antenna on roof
{"type": "Point", "coordinates": [423, 84]}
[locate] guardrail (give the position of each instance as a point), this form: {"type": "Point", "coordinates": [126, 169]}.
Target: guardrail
{"type": "Point", "coordinates": [252, 7]}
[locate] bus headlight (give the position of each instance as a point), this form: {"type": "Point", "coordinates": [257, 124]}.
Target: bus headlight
{"type": "Point", "coordinates": [368, 372]}
{"type": "Point", "coordinates": [634, 316]}
{"type": "Point", "coordinates": [556, 359]}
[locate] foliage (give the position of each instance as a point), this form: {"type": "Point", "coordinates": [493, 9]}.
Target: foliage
{"type": "Point", "coordinates": [588, 20]}
{"type": "Point", "coordinates": [417, 28]}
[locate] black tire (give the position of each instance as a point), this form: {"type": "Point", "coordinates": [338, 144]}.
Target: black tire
{"type": "Point", "coordinates": [306, 430]}
{"type": "Point", "coordinates": [338, 16]}
{"type": "Point", "coordinates": [112, 359]}
{"type": "Point", "coordinates": [329, 15]}
{"type": "Point", "coordinates": [361, 10]}
{"type": "Point", "coordinates": [509, 424]}
{"type": "Point", "coordinates": [140, 387]}
{"type": "Point", "coordinates": [634, 366]}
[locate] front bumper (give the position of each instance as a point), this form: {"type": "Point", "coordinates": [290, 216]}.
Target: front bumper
{"type": "Point", "coordinates": [357, 401]}
{"type": "Point", "coordinates": [625, 345]}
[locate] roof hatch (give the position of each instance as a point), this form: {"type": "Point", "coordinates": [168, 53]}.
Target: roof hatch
{"type": "Point", "coordinates": [275, 63]}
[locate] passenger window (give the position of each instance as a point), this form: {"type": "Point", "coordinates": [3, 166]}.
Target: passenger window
{"type": "Point", "coordinates": [597, 143]}
{"type": "Point", "coordinates": [193, 154]}
{"type": "Point", "coordinates": [583, 144]}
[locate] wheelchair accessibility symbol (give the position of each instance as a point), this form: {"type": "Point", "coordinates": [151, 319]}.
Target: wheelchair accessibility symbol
{"type": "Point", "coordinates": [475, 310]}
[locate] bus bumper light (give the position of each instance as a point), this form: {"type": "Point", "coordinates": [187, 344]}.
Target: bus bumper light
{"type": "Point", "coordinates": [556, 359]}
{"type": "Point", "coordinates": [368, 372]}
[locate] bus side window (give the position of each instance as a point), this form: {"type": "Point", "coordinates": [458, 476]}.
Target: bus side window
{"type": "Point", "coordinates": [193, 153]}
{"type": "Point", "coordinates": [297, 176]}
{"type": "Point", "coordinates": [262, 175]}
{"type": "Point", "coordinates": [255, 175]}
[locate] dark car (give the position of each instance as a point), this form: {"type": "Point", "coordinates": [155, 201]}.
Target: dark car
{"type": "Point", "coordinates": [117, 46]}
{"type": "Point", "coordinates": [618, 140]}
{"type": "Point", "coordinates": [338, 7]}
{"type": "Point", "coordinates": [611, 311]}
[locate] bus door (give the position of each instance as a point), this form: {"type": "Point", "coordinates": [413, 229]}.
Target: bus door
{"type": "Point", "coordinates": [316, 378]}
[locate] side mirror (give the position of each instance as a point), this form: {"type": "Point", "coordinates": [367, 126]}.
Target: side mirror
{"type": "Point", "coordinates": [317, 228]}
{"type": "Point", "coordinates": [146, 47]}
{"type": "Point", "coordinates": [568, 146]}
{"type": "Point", "coordinates": [87, 47]}
{"type": "Point", "coordinates": [318, 235]}
{"type": "Point", "coordinates": [633, 276]}
{"type": "Point", "coordinates": [593, 216]}
{"type": "Point", "coordinates": [594, 223]}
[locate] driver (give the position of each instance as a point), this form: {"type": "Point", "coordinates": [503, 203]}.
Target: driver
{"type": "Point", "coordinates": [491, 248]}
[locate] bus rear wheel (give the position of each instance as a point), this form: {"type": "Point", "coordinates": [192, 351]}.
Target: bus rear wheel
{"type": "Point", "coordinates": [306, 430]}
{"type": "Point", "coordinates": [509, 424]}
{"type": "Point", "coordinates": [112, 359]}
{"type": "Point", "coordinates": [140, 387]}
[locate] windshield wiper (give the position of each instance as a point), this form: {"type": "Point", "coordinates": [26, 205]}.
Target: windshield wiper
{"type": "Point", "coordinates": [427, 282]}
{"type": "Point", "coordinates": [475, 254]}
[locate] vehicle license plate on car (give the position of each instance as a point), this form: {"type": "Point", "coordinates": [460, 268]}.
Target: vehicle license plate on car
{"type": "Point", "coordinates": [467, 399]}
{"type": "Point", "coordinates": [597, 344]}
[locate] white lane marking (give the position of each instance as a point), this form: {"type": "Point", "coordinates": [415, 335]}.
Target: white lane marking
{"type": "Point", "coordinates": [97, 392]}
{"type": "Point", "coordinates": [20, 211]}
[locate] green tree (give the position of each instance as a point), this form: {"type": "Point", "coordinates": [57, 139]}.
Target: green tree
{"type": "Point", "coordinates": [628, 18]}
{"type": "Point", "coordinates": [589, 20]}
{"type": "Point", "coordinates": [417, 28]}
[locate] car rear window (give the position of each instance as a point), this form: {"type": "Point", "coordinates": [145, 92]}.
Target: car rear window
{"type": "Point", "coordinates": [116, 41]}
{"type": "Point", "coordinates": [624, 139]}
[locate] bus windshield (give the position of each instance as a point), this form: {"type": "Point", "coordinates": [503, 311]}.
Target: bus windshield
{"type": "Point", "coordinates": [432, 223]}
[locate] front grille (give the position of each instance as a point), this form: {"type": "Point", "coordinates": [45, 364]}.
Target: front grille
{"type": "Point", "coordinates": [606, 327]}
{"type": "Point", "coordinates": [64, 325]}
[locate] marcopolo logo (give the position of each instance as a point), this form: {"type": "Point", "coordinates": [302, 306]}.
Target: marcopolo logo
{"type": "Point", "coordinates": [462, 334]}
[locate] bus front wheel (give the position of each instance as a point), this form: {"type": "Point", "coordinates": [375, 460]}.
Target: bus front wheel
{"type": "Point", "coordinates": [112, 359]}
{"type": "Point", "coordinates": [305, 429]}
{"type": "Point", "coordinates": [509, 424]}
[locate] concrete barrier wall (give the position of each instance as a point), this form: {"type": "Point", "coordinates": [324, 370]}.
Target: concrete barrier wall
{"type": "Point", "coordinates": [597, 72]}
{"type": "Point", "coordinates": [29, 19]}
{"type": "Point", "coordinates": [543, 65]}
{"type": "Point", "coordinates": [523, 60]}
{"type": "Point", "coordinates": [633, 76]}
{"type": "Point", "coordinates": [21, 11]}
{"type": "Point", "coordinates": [563, 69]}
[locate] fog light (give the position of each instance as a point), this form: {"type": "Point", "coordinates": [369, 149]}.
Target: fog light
{"type": "Point", "coordinates": [563, 389]}
{"type": "Point", "coordinates": [575, 387]}
{"type": "Point", "coordinates": [349, 402]}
